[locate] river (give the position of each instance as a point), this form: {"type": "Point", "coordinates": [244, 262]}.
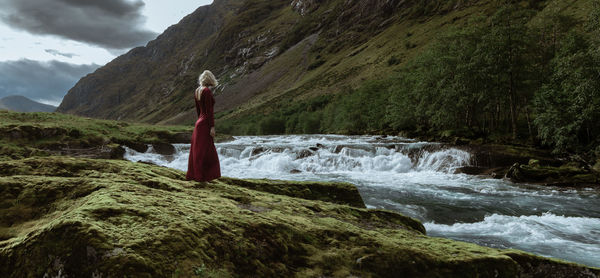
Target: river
{"type": "Point", "coordinates": [417, 179]}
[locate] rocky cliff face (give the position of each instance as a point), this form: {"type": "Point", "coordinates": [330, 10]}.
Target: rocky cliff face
{"type": "Point", "coordinates": [259, 49]}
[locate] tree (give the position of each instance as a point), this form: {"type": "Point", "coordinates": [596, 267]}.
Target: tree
{"type": "Point", "coordinates": [569, 105]}
{"type": "Point", "coordinates": [505, 51]}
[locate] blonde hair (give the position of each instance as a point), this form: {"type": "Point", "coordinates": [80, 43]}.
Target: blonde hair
{"type": "Point", "coordinates": [206, 79]}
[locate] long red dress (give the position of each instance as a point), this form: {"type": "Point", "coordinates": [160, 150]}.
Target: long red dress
{"type": "Point", "coordinates": [203, 163]}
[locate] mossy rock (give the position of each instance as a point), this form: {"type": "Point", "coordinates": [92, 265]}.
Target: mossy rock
{"type": "Point", "coordinates": [494, 155]}
{"type": "Point", "coordinates": [83, 217]}
{"type": "Point", "coordinates": [339, 192]}
{"type": "Point", "coordinates": [556, 176]}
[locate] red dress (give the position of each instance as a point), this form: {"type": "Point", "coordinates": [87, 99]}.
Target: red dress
{"type": "Point", "coordinates": [203, 163]}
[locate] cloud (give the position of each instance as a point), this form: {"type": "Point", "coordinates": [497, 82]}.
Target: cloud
{"type": "Point", "coordinates": [115, 24]}
{"type": "Point", "coordinates": [40, 81]}
{"type": "Point", "coordinates": [55, 52]}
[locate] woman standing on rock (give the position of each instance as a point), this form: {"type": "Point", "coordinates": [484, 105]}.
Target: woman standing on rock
{"type": "Point", "coordinates": [203, 163]}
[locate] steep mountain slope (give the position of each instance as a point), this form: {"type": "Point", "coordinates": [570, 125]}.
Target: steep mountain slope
{"type": "Point", "coordinates": [256, 47]}
{"type": "Point", "coordinates": [268, 54]}
{"type": "Point", "coordinates": [23, 104]}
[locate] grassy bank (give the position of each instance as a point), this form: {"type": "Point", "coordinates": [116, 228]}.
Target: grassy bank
{"type": "Point", "coordinates": [31, 134]}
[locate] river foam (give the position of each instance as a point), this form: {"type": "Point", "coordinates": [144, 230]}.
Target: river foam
{"type": "Point", "coordinates": [571, 238]}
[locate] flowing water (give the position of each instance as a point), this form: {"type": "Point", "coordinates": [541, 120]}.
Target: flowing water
{"type": "Point", "coordinates": [417, 179]}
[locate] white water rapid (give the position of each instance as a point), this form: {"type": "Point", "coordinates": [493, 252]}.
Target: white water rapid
{"type": "Point", "coordinates": [417, 179]}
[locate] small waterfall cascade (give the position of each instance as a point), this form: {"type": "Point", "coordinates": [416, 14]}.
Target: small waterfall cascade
{"type": "Point", "coordinates": [419, 179]}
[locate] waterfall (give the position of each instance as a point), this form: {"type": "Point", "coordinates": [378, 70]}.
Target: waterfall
{"type": "Point", "coordinates": [325, 155]}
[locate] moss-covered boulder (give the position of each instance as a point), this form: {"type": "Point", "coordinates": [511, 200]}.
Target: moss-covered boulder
{"type": "Point", "coordinates": [566, 175]}
{"type": "Point", "coordinates": [498, 156]}
{"type": "Point", "coordinates": [334, 192]}
{"type": "Point", "coordinates": [62, 216]}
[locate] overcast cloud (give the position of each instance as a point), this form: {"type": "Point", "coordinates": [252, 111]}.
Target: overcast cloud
{"type": "Point", "coordinates": [115, 24]}
{"type": "Point", "coordinates": [40, 81]}
{"type": "Point", "coordinates": [55, 52]}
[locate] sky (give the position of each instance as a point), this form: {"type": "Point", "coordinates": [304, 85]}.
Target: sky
{"type": "Point", "coordinates": [47, 46]}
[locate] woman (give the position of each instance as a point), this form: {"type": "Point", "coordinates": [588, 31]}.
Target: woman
{"type": "Point", "coordinates": [203, 164]}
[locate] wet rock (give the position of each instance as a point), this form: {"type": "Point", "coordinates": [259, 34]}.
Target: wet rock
{"type": "Point", "coordinates": [304, 154]}
{"type": "Point", "coordinates": [320, 146]}
{"type": "Point", "coordinates": [492, 156]}
{"type": "Point", "coordinates": [497, 175]}
{"type": "Point", "coordinates": [470, 170]}
{"type": "Point", "coordinates": [295, 171]}
{"type": "Point", "coordinates": [181, 138]}
{"type": "Point", "coordinates": [458, 141]}
{"type": "Point", "coordinates": [257, 151]}
{"type": "Point", "coordinates": [117, 152]}
{"type": "Point", "coordinates": [163, 149]}
{"type": "Point", "coordinates": [314, 149]}
{"type": "Point", "coordinates": [277, 150]}
{"type": "Point", "coordinates": [556, 176]}
{"type": "Point", "coordinates": [138, 147]}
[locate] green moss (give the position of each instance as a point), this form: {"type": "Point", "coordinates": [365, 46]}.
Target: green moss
{"type": "Point", "coordinates": [40, 134]}
{"type": "Point", "coordinates": [341, 193]}
{"type": "Point", "coordinates": [83, 217]}
{"type": "Point", "coordinates": [566, 175]}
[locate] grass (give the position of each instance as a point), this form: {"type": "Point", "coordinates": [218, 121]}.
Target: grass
{"type": "Point", "coordinates": [85, 217]}
{"type": "Point", "coordinates": [87, 127]}
{"type": "Point", "coordinates": [31, 134]}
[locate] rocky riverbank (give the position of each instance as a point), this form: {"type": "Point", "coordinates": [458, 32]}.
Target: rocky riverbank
{"type": "Point", "coordinates": [529, 165]}
{"type": "Point", "coordinates": [78, 217]}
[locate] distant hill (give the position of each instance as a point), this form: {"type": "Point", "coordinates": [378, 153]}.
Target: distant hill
{"type": "Point", "coordinates": [23, 104]}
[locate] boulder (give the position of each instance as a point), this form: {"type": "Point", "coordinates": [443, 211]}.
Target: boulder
{"type": "Point", "coordinates": [304, 154]}
{"type": "Point", "coordinates": [257, 151]}
{"type": "Point", "coordinates": [492, 156]}
{"type": "Point", "coordinates": [555, 176]}
{"type": "Point", "coordinates": [339, 192]}
{"type": "Point", "coordinates": [136, 146]}
{"type": "Point", "coordinates": [164, 149]}
{"type": "Point", "coordinates": [470, 170]}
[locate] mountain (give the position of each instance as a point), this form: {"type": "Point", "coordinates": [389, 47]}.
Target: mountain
{"type": "Point", "coordinates": [260, 50]}
{"type": "Point", "coordinates": [270, 54]}
{"type": "Point", "coordinates": [24, 104]}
